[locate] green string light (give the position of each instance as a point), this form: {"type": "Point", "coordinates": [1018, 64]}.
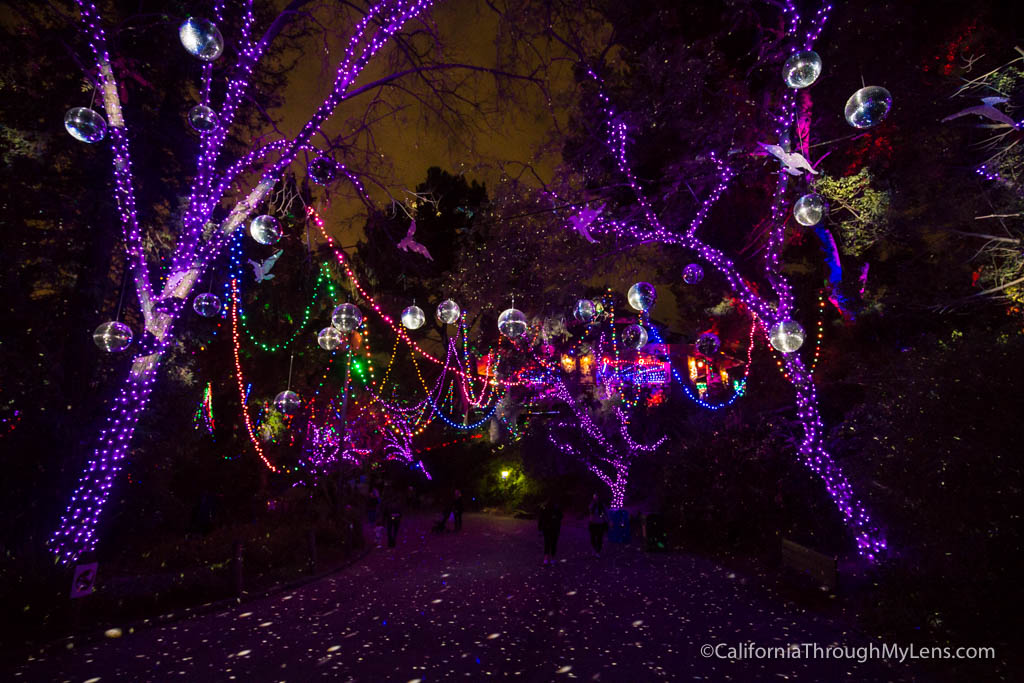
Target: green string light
{"type": "Point", "coordinates": [273, 348]}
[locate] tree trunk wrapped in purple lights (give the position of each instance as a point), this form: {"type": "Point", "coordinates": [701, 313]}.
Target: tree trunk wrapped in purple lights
{"type": "Point", "coordinates": [194, 251]}
{"type": "Point", "coordinates": [869, 540]}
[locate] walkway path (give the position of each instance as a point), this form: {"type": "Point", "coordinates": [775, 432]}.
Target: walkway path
{"type": "Point", "coordinates": [476, 606]}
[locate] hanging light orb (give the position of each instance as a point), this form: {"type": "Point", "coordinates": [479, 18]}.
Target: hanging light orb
{"type": "Point", "coordinates": [585, 310]}
{"type": "Point", "coordinates": [346, 317]}
{"type": "Point", "coordinates": [85, 125]}
{"type": "Point", "coordinates": [448, 312]}
{"type": "Point", "coordinates": [112, 336]}
{"type": "Point", "coordinates": [330, 338]}
{"type": "Point", "coordinates": [322, 171]}
{"type": "Point", "coordinates": [634, 336]}
{"type": "Point", "coordinates": [512, 323]}
{"type": "Point", "coordinates": [810, 209]}
{"type": "Point", "coordinates": [265, 229]}
{"type": "Point", "coordinates": [693, 273]}
{"type": "Point", "coordinates": [708, 343]}
{"type": "Point", "coordinates": [206, 305]}
{"type": "Point", "coordinates": [868, 106]}
{"type": "Point", "coordinates": [288, 402]}
{"type": "Point", "coordinates": [413, 317]}
{"type": "Point", "coordinates": [641, 296]}
{"type": "Point", "coordinates": [802, 69]}
{"type": "Point", "coordinates": [201, 38]}
{"type": "Point", "coordinates": [786, 336]}
{"type": "Point", "coordinates": [202, 118]}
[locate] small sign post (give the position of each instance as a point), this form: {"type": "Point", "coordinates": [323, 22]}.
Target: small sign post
{"type": "Point", "coordinates": [84, 581]}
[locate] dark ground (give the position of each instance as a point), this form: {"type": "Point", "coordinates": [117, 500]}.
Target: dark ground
{"type": "Point", "coordinates": [479, 605]}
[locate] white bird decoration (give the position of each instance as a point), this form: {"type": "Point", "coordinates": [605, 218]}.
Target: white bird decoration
{"type": "Point", "coordinates": [584, 219]}
{"type": "Point", "coordinates": [986, 109]}
{"type": "Point", "coordinates": [262, 268]}
{"type": "Point", "coordinates": [795, 162]}
{"type": "Point", "coordinates": [409, 244]}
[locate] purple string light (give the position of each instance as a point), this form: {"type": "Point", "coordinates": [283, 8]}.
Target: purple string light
{"type": "Point", "coordinates": [77, 533]}
{"type": "Point", "coordinates": [869, 540]}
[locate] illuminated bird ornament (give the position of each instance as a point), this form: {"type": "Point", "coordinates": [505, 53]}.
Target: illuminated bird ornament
{"type": "Point", "coordinates": [986, 109]}
{"type": "Point", "coordinates": [582, 221]}
{"type": "Point", "coordinates": [262, 268]}
{"type": "Point", "coordinates": [795, 163]}
{"type": "Point", "coordinates": [410, 244]}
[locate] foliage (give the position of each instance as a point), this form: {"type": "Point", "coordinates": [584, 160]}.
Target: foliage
{"type": "Point", "coordinates": [864, 210]}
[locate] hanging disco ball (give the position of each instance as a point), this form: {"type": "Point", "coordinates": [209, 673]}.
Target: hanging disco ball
{"type": "Point", "coordinates": [265, 229]}
{"type": "Point", "coordinates": [112, 336]}
{"type": "Point", "coordinates": [322, 171]}
{"type": "Point", "coordinates": [786, 336]}
{"type": "Point", "coordinates": [448, 312]}
{"type": "Point", "coordinates": [346, 317]}
{"type": "Point", "coordinates": [693, 273]}
{"type": "Point", "coordinates": [634, 336]}
{"type": "Point", "coordinates": [802, 69]}
{"type": "Point", "coordinates": [288, 402]}
{"type": "Point", "coordinates": [413, 317]}
{"type": "Point", "coordinates": [202, 39]}
{"type": "Point", "coordinates": [202, 118]}
{"type": "Point", "coordinates": [330, 338]}
{"type": "Point", "coordinates": [512, 323]}
{"type": "Point", "coordinates": [868, 106]}
{"type": "Point", "coordinates": [85, 125]}
{"type": "Point", "coordinates": [641, 296]}
{"type": "Point", "coordinates": [810, 209]}
{"type": "Point", "coordinates": [585, 310]}
{"type": "Point", "coordinates": [206, 305]}
{"type": "Point", "coordinates": [708, 343]}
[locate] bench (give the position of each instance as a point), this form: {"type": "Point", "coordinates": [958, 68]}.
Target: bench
{"type": "Point", "coordinates": [822, 568]}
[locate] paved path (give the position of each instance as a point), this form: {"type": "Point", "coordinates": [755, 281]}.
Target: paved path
{"type": "Point", "coordinates": [476, 606]}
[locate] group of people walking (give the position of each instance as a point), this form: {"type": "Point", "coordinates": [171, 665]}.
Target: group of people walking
{"type": "Point", "coordinates": [549, 522]}
{"type": "Point", "coordinates": [387, 504]}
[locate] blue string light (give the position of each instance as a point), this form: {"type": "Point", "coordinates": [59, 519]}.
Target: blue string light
{"type": "Point", "coordinates": [456, 425]}
{"type": "Point", "coordinates": [740, 388]}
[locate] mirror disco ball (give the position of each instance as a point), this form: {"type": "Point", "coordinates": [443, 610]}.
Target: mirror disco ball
{"type": "Point", "coordinates": [585, 310]}
{"type": "Point", "coordinates": [112, 336]}
{"type": "Point", "coordinates": [206, 305]}
{"type": "Point", "coordinates": [448, 312]}
{"type": "Point", "coordinates": [202, 118]}
{"type": "Point", "coordinates": [708, 343]}
{"type": "Point", "coordinates": [330, 338]}
{"type": "Point", "coordinates": [634, 336]}
{"type": "Point", "coordinates": [265, 229]}
{"type": "Point", "coordinates": [641, 296]}
{"type": "Point", "coordinates": [85, 125]}
{"type": "Point", "coordinates": [413, 317]}
{"type": "Point", "coordinates": [802, 69]}
{"type": "Point", "coordinates": [201, 38]}
{"type": "Point", "coordinates": [693, 273]}
{"type": "Point", "coordinates": [786, 336]}
{"type": "Point", "coordinates": [322, 171]}
{"type": "Point", "coordinates": [287, 402]}
{"type": "Point", "coordinates": [346, 317]}
{"type": "Point", "coordinates": [512, 323]}
{"type": "Point", "coordinates": [809, 209]}
{"type": "Point", "coordinates": [868, 106]}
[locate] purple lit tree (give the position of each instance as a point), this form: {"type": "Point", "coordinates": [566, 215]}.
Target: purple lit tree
{"type": "Point", "coordinates": [638, 221]}
{"type": "Point", "coordinates": [224, 194]}
{"type": "Point", "coordinates": [611, 460]}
